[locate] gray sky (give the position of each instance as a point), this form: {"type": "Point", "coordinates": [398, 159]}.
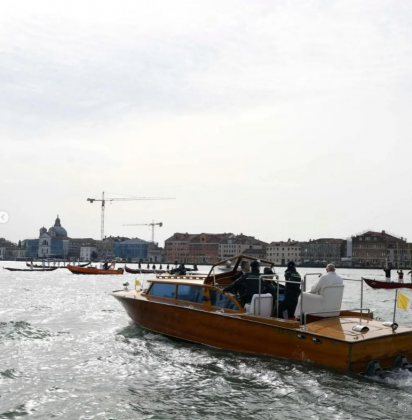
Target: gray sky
{"type": "Point", "coordinates": [271, 118]}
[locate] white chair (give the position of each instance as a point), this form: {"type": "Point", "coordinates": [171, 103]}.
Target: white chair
{"type": "Point", "coordinates": [266, 305]}
{"type": "Point", "coordinates": [329, 299]}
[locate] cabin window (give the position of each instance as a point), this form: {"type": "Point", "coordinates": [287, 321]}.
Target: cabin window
{"type": "Point", "coordinates": [221, 301]}
{"type": "Point", "coordinates": [190, 293]}
{"type": "Point", "coordinates": [166, 290]}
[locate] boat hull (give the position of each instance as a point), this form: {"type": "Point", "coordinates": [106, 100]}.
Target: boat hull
{"type": "Point", "coordinates": [251, 334]}
{"type": "Point", "coordinates": [27, 270]}
{"type": "Point", "coordinates": [84, 270]}
{"type": "Point", "coordinates": [377, 284]}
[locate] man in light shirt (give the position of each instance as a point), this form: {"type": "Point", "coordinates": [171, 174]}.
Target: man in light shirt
{"type": "Point", "coordinates": [327, 279]}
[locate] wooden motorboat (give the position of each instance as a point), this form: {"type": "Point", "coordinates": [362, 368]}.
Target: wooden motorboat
{"type": "Point", "coordinates": [28, 269]}
{"type": "Point", "coordinates": [201, 312]}
{"type": "Point", "coordinates": [378, 284]}
{"type": "Point", "coordinates": [87, 270]}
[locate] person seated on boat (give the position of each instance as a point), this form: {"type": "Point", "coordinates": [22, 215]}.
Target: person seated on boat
{"type": "Point", "coordinates": [292, 292]}
{"type": "Point", "coordinates": [327, 279]}
{"type": "Point", "coordinates": [244, 269]}
{"type": "Point", "coordinates": [248, 285]}
{"type": "Point", "coordinates": [400, 275]}
{"type": "Point", "coordinates": [160, 267]}
{"type": "Point", "coordinates": [31, 265]}
{"type": "Point", "coordinates": [106, 265]}
{"type": "Point", "coordinates": [195, 267]}
{"type": "Point", "coordinates": [387, 271]}
{"type": "Point", "coordinates": [113, 265]}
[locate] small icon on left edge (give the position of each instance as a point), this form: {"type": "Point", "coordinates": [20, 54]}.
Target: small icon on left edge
{"type": "Point", "coordinates": [4, 217]}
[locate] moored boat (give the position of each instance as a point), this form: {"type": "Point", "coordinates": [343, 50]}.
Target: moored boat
{"type": "Point", "coordinates": [28, 269]}
{"type": "Point", "coordinates": [87, 270]}
{"type": "Point", "coordinates": [201, 312]}
{"type": "Point", "coordinates": [378, 284]}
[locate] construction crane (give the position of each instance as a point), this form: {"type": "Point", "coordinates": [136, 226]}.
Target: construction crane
{"type": "Point", "coordinates": [153, 224]}
{"type": "Point", "coordinates": [104, 199]}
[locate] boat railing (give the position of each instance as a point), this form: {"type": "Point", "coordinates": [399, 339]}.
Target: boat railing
{"type": "Point", "coordinates": [270, 277]}
{"type": "Point", "coordinates": [305, 277]}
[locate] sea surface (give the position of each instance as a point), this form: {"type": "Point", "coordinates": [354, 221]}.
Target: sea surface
{"type": "Point", "coordinates": [68, 350]}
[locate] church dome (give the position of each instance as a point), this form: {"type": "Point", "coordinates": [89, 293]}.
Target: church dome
{"type": "Point", "coordinates": [43, 230]}
{"type": "Point", "coordinates": [57, 231]}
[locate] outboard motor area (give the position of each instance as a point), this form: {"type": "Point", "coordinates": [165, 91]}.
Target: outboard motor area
{"type": "Point", "coordinates": [401, 362]}
{"type": "Point", "coordinates": [374, 369]}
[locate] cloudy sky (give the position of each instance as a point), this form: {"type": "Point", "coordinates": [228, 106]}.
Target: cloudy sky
{"type": "Point", "coordinates": [278, 119]}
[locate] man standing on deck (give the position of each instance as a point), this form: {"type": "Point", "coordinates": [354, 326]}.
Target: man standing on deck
{"type": "Point", "coordinates": [387, 271]}
{"type": "Point", "coordinates": [292, 292]}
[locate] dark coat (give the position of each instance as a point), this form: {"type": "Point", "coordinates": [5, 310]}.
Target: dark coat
{"type": "Point", "coordinates": [248, 285]}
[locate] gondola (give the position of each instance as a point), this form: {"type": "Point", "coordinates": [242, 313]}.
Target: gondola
{"type": "Point", "coordinates": [140, 271]}
{"type": "Point", "coordinates": [378, 284]}
{"type": "Point", "coordinates": [28, 269]}
{"type": "Point", "coordinates": [87, 270]}
{"type": "Point", "coordinates": [62, 266]}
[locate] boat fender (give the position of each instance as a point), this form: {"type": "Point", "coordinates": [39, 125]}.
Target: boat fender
{"type": "Point", "coordinates": [393, 325]}
{"type": "Point", "coordinates": [360, 328]}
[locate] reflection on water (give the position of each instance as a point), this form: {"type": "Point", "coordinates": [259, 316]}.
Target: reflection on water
{"type": "Point", "coordinates": [68, 350]}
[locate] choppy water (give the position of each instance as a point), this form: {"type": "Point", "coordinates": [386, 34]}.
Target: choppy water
{"type": "Point", "coordinates": [68, 350]}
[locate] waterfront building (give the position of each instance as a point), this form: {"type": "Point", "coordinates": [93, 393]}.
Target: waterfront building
{"type": "Point", "coordinates": [323, 250]}
{"type": "Point", "coordinates": [376, 249]}
{"type": "Point", "coordinates": [231, 245]}
{"type": "Point", "coordinates": [2, 252]}
{"type": "Point", "coordinates": [88, 252]}
{"type": "Point", "coordinates": [155, 253]}
{"type": "Point", "coordinates": [52, 243]}
{"type": "Point", "coordinates": [210, 247]}
{"type": "Point", "coordinates": [280, 253]}
{"type": "Point", "coordinates": [177, 247]}
{"type": "Point", "coordinates": [105, 248]}
{"type": "Point", "coordinates": [75, 246]}
{"type": "Point", "coordinates": [135, 249]}
{"type": "Point", "coordinates": [204, 248]}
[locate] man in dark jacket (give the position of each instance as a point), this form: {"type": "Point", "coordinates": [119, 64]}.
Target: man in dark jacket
{"type": "Point", "coordinates": [248, 285]}
{"type": "Point", "coordinates": [292, 292]}
{"type": "Point", "coordinates": [244, 268]}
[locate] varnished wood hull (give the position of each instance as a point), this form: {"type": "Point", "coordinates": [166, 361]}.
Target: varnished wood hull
{"type": "Point", "coordinates": [253, 335]}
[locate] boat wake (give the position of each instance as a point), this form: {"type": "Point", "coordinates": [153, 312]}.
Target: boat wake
{"type": "Point", "coordinates": [401, 378]}
{"type": "Point", "coordinates": [16, 330]}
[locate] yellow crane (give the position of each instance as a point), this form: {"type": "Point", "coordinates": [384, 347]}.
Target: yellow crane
{"type": "Point", "coordinates": [153, 224]}
{"type": "Point", "coordinates": [110, 199]}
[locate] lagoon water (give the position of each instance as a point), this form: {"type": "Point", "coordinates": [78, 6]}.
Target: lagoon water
{"type": "Point", "coordinates": [68, 350]}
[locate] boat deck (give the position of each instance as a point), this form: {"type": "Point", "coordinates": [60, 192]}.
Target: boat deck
{"type": "Point", "coordinates": [342, 328]}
